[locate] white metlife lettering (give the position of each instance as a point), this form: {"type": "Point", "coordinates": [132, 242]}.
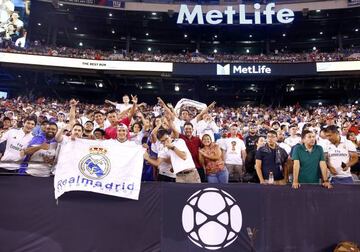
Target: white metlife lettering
{"type": "Point", "coordinates": [252, 70]}
{"type": "Point", "coordinates": [214, 17]}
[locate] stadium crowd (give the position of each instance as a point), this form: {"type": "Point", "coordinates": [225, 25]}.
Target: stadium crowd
{"type": "Point", "coordinates": [37, 48]}
{"type": "Point", "coordinates": [216, 144]}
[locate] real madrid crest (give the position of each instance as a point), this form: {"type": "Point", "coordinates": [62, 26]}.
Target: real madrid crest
{"type": "Point", "coordinates": [95, 165]}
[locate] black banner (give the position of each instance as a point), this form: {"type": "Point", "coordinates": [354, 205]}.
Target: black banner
{"type": "Point", "coordinates": [177, 217]}
{"type": "Point", "coordinates": [244, 69]}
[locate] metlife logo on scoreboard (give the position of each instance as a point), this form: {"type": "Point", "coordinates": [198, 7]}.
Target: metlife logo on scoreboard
{"type": "Point", "coordinates": [244, 70]}
{"type": "Point", "coordinates": [229, 69]}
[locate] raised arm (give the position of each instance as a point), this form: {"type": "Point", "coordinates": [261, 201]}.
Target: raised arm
{"type": "Point", "coordinates": [204, 111]}
{"type": "Point", "coordinates": [134, 100]}
{"type": "Point", "coordinates": [72, 113]}
{"type": "Point", "coordinates": [164, 106]}
{"type": "Point", "coordinates": [111, 103]}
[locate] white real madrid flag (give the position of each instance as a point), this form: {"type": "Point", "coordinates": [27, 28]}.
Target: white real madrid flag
{"type": "Point", "coordinates": [106, 167]}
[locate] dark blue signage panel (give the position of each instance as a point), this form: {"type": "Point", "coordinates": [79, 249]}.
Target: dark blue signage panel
{"type": "Point", "coordinates": [245, 69]}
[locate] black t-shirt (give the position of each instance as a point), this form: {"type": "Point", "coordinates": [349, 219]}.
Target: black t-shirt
{"type": "Point", "coordinates": [250, 142]}
{"type": "Point", "coordinates": [269, 164]}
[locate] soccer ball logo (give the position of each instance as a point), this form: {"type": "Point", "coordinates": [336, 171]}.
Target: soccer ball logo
{"type": "Point", "coordinates": [212, 219]}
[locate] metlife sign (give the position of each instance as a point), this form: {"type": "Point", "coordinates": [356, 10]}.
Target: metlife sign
{"type": "Point", "coordinates": [238, 69]}
{"type": "Point", "coordinates": [244, 69]}
{"type": "Point", "coordinates": [261, 15]}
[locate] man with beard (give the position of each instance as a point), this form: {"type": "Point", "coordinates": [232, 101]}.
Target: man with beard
{"type": "Point", "coordinates": [88, 130]}
{"type": "Point", "coordinates": [309, 162]}
{"type": "Point", "coordinates": [40, 153]}
{"type": "Point", "coordinates": [280, 141]}
{"type": "Point", "coordinates": [193, 143]}
{"type": "Point", "coordinates": [250, 144]}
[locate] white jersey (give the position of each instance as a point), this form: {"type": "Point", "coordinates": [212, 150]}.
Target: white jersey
{"type": "Point", "coordinates": [17, 141]}
{"type": "Point", "coordinates": [38, 166]}
{"type": "Point", "coordinates": [177, 163]}
{"type": "Point", "coordinates": [323, 142]}
{"type": "Point", "coordinates": [292, 141]}
{"type": "Point", "coordinates": [233, 147]}
{"type": "Point", "coordinates": [340, 154]}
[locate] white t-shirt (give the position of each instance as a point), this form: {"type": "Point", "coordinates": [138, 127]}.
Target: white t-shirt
{"type": "Point", "coordinates": [292, 141]}
{"type": "Point", "coordinates": [122, 107]}
{"type": "Point", "coordinates": [207, 128]}
{"type": "Point", "coordinates": [286, 147]}
{"type": "Point", "coordinates": [221, 143]}
{"type": "Point", "coordinates": [17, 140]}
{"type": "Point", "coordinates": [339, 154]}
{"type": "Point", "coordinates": [233, 147]}
{"type": "Point", "coordinates": [106, 125]}
{"type": "Point", "coordinates": [177, 163]}
{"type": "Point", "coordinates": [165, 167]}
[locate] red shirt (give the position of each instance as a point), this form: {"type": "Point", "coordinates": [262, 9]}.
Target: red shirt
{"type": "Point", "coordinates": [111, 132]}
{"type": "Point", "coordinates": [193, 144]}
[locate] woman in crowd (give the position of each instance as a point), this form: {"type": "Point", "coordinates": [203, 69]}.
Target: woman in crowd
{"type": "Point", "coordinates": [352, 137]}
{"type": "Point", "coordinates": [211, 158]}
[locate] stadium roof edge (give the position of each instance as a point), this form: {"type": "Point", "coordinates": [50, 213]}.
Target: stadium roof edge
{"type": "Point", "coordinates": [160, 7]}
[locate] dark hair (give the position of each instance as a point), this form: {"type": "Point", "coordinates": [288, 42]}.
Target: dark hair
{"type": "Point", "coordinates": [153, 123]}
{"type": "Point", "coordinates": [53, 124]}
{"type": "Point", "coordinates": [257, 139]}
{"type": "Point", "coordinates": [30, 118]}
{"type": "Point", "coordinates": [273, 132]}
{"type": "Point", "coordinates": [6, 118]}
{"type": "Point", "coordinates": [90, 122]}
{"type": "Point", "coordinates": [111, 111]}
{"type": "Point", "coordinates": [100, 130]}
{"type": "Point", "coordinates": [138, 123]}
{"type": "Point", "coordinates": [44, 122]}
{"type": "Point", "coordinates": [304, 133]}
{"type": "Point", "coordinates": [331, 129]}
{"type": "Point", "coordinates": [188, 123]}
{"type": "Point", "coordinates": [78, 124]}
{"type": "Point", "coordinates": [161, 133]}
{"type": "Point", "coordinates": [98, 112]}
{"type": "Point", "coordinates": [89, 111]}
{"type": "Point", "coordinates": [206, 135]}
